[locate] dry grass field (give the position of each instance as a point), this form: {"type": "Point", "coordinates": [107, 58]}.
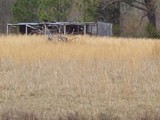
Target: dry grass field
{"type": "Point", "coordinates": [90, 78]}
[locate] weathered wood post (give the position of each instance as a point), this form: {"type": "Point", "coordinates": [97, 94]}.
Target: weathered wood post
{"type": "Point", "coordinates": [7, 29]}
{"type": "Point", "coordinates": [85, 29]}
{"type": "Point", "coordinates": [26, 29]}
{"type": "Point", "coordinates": [45, 29]}
{"type": "Point", "coordinates": [59, 29]}
{"type": "Point", "coordinates": [64, 29]}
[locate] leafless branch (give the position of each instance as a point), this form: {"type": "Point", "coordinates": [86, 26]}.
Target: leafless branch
{"type": "Point", "coordinates": [141, 3]}
{"type": "Point", "coordinates": [136, 6]}
{"type": "Point", "coordinates": [107, 3]}
{"type": "Point", "coordinates": [140, 23]}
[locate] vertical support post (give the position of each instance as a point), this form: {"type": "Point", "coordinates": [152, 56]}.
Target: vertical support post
{"type": "Point", "coordinates": [78, 29]}
{"type": "Point", "coordinates": [26, 30]}
{"type": "Point", "coordinates": [85, 29]}
{"type": "Point", "coordinates": [59, 29]}
{"type": "Point", "coordinates": [111, 29]}
{"type": "Point", "coordinates": [64, 29]}
{"type": "Point", "coordinates": [7, 29]}
{"type": "Point", "coordinates": [97, 27]}
{"type": "Point", "coordinates": [45, 29]}
{"type": "Point", "coordinates": [91, 29]}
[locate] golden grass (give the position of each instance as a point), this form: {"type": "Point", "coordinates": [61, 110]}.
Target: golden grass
{"type": "Point", "coordinates": [104, 78]}
{"type": "Point", "coordinates": [37, 48]}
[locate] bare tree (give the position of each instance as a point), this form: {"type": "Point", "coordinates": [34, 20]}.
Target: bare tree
{"type": "Point", "coordinates": [5, 14]}
{"type": "Point", "coordinates": [148, 6]}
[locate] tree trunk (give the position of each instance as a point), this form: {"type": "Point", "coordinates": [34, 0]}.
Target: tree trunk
{"type": "Point", "coordinates": [115, 17]}
{"type": "Point", "coordinates": [151, 6]}
{"type": "Point", "coordinates": [110, 14]}
{"type": "Point", "coordinates": [116, 14]}
{"type": "Point", "coordinates": [152, 19]}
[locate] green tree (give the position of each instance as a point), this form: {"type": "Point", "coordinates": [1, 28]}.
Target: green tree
{"type": "Point", "coordinates": [54, 10]}
{"type": "Point", "coordinates": [25, 10]}
{"type": "Point", "coordinates": [87, 9]}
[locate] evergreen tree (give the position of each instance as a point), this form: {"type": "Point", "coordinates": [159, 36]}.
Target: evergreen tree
{"type": "Point", "coordinates": [87, 9]}
{"type": "Point", "coordinates": [25, 10]}
{"type": "Point", "coordinates": [54, 10]}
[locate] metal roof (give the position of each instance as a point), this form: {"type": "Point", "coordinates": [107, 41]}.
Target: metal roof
{"type": "Point", "coordinates": [19, 24]}
{"type": "Point", "coordinates": [53, 23]}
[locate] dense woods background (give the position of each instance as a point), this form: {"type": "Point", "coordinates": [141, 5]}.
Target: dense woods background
{"type": "Point", "coordinates": [134, 18]}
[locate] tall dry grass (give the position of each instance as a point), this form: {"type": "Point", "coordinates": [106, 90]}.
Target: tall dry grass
{"type": "Point", "coordinates": [89, 78]}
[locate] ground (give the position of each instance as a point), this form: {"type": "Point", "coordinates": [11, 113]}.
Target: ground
{"type": "Point", "coordinates": [89, 78]}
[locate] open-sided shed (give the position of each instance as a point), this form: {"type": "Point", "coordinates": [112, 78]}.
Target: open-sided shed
{"type": "Point", "coordinates": [92, 28]}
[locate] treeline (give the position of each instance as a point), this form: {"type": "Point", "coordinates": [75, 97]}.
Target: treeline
{"type": "Point", "coordinates": [52, 10]}
{"type": "Point", "coordinates": [89, 10]}
{"type": "Point", "coordinates": [59, 10]}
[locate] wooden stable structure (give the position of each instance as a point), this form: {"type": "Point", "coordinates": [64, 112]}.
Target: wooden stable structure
{"type": "Point", "coordinates": [92, 28]}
